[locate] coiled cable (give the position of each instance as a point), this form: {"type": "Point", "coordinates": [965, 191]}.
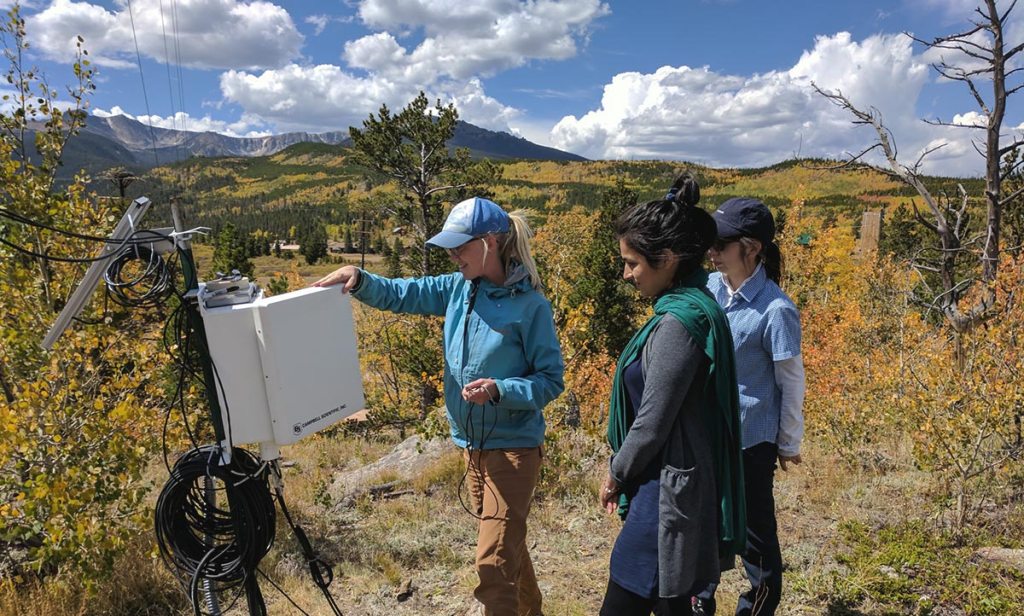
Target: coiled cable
{"type": "Point", "coordinates": [214, 523]}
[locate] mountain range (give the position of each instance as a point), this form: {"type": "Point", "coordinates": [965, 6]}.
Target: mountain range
{"type": "Point", "coordinates": [119, 140]}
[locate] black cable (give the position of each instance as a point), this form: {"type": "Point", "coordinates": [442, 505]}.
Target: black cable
{"type": "Point", "coordinates": [25, 220]}
{"type": "Point", "coordinates": [319, 570]}
{"type": "Point", "coordinates": [152, 287]}
{"type": "Point", "coordinates": [470, 428]}
{"type": "Point", "coordinates": [281, 590]}
{"type": "Point", "coordinates": [213, 539]}
{"type": "Point", "coordinates": [110, 254]}
{"type": "Point", "coordinates": [142, 77]}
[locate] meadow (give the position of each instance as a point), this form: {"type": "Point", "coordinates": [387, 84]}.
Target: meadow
{"type": "Point", "coordinates": [909, 500]}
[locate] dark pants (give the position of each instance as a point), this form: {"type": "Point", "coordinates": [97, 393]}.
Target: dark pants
{"type": "Point", "coordinates": [620, 602]}
{"type": "Point", "coordinates": [763, 557]}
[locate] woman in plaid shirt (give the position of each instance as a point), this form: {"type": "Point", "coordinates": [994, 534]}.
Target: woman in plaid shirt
{"type": "Point", "coordinates": [765, 326]}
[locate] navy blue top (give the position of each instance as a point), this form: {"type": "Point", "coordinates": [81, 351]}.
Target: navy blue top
{"type": "Point", "coordinates": [634, 561]}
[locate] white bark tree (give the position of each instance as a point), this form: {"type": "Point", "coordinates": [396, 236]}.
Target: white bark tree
{"type": "Point", "coordinates": [980, 58]}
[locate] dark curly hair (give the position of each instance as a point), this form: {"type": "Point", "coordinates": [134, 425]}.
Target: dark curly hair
{"type": "Point", "coordinates": [674, 223]}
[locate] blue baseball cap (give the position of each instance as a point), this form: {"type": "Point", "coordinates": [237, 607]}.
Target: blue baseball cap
{"type": "Point", "coordinates": [470, 219]}
{"type": "Point", "coordinates": [745, 217]}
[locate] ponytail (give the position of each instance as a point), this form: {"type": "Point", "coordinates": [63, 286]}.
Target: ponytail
{"type": "Point", "coordinates": [684, 191]}
{"type": "Point", "coordinates": [771, 257]}
{"type": "Point", "coordinates": [516, 247]}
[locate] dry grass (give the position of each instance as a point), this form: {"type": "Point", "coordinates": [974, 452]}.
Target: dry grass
{"type": "Point", "coordinates": [424, 539]}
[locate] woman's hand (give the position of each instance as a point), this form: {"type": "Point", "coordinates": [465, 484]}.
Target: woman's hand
{"type": "Point", "coordinates": [480, 391]}
{"type": "Point", "coordinates": [610, 495]}
{"type": "Point", "coordinates": [794, 460]}
{"type": "Point", "coordinates": [347, 275]}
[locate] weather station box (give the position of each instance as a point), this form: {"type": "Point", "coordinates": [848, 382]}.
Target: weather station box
{"type": "Point", "coordinates": [285, 367]}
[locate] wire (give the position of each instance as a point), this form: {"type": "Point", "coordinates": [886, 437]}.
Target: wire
{"type": "Point", "coordinates": [319, 570]}
{"type": "Point", "coordinates": [470, 429]}
{"type": "Point", "coordinates": [15, 216]}
{"type": "Point", "coordinates": [281, 590]}
{"type": "Point", "coordinates": [170, 82]}
{"type": "Point", "coordinates": [152, 287]}
{"type": "Point", "coordinates": [214, 523]}
{"type": "Point", "coordinates": [136, 238]}
{"type": "Point", "coordinates": [142, 77]}
{"type": "Point", "coordinates": [177, 62]}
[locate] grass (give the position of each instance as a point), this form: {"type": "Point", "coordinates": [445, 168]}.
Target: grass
{"type": "Point", "coordinates": [846, 532]}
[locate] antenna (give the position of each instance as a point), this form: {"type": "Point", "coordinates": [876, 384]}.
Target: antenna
{"type": "Point", "coordinates": [78, 300]}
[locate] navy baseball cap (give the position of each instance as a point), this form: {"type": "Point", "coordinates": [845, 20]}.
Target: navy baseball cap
{"type": "Point", "coordinates": [469, 219]}
{"type": "Point", "coordinates": [746, 217]}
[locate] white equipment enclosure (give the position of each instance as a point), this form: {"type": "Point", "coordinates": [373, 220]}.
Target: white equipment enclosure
{"type": "Point", "coordinates": [285, 366]}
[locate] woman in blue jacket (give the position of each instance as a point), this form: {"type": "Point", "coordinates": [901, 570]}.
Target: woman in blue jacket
{"type": "Point", "coordinates": [503, 364]}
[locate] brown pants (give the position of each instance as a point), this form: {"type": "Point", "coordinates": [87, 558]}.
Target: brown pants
{"type": "Point", "coordinates": [501, 484]}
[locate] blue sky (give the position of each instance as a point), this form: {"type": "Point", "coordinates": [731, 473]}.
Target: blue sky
{"type": "Point", "coordinates": [720, 82]}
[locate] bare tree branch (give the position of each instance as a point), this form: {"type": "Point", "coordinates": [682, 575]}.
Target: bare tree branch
{"type": "Point", "coordinates": [1017, 142]}
{"type": "Point", "coordinates": [1012, 196]}
{"type": "Point", "coordinates": [954, 125]}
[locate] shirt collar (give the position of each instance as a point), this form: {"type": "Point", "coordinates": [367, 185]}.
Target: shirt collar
{"type": "Point", "coordinates": [750, 287]}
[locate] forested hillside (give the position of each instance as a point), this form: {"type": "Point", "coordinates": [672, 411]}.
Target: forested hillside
{"type": "Point", "coordinates": [910, 498]}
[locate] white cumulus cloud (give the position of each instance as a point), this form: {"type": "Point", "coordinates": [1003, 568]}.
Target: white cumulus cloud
{"type": "Point", "coordinates": [718, 119]}
{"type": "Point", "coordinates": [463, 40]}
{"type": "Point", "coordinates": [208, 33]}
{"type": "Point", "coordinates": [325, 97]}
{"type": "Point", "coordinates": [322, 97]}
{"type": "Point", "coordinates": [460, 44]}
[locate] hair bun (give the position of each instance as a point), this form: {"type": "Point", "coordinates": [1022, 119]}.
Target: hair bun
{"type": "Point", "coordinates": [685, 190]}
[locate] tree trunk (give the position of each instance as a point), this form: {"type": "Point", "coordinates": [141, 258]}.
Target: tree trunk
{"type": "Point", "coordinates": [6, 386]}
{"type": "Point", "coordinates": [990, 258]}
{"type": "Point", "coordinates": [428, 229]}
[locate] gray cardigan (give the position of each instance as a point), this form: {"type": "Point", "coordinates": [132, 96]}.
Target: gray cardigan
{"type": "Point", "coordinates": [668, 426]}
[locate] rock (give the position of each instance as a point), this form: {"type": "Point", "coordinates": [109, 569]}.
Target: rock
{"type": "Point", "coordinates": [403, 463]}
{"type": "Point", "coordinates": [405, 590]}
{"type": "Point", "coordinates": [1003, 556]}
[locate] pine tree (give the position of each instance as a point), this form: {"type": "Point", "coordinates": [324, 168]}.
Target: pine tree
{"type": "Point", "coordinates": [601, 286]}
{"type": "Point", "coordinates": [229, 252]}
{"type": "Point", "coordinates": [314, 244]}
{"type": "Point", "coordinates": [412, 146]}
{"type": "Point", "coordinates": [901, 234]}
{"type": "Point", "coordinates": [394, 260]}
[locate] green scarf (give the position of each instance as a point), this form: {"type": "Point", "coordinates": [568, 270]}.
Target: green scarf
{"type": "Point", "coordinates": [707, 325]}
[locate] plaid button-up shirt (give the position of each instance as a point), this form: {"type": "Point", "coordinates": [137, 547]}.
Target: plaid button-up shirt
{"type": "Point", "coordinates": [765, 329]}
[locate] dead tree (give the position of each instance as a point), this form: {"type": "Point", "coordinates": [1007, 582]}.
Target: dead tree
{"type": "Point", "coordinates": [982, 59]}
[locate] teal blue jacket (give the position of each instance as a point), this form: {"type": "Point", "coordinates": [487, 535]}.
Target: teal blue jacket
{"type": "Point", "coordinates": [509, 336]}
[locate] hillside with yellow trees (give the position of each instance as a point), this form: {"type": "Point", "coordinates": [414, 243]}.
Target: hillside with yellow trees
{"type": "Point", "coordinates": [910, 499]}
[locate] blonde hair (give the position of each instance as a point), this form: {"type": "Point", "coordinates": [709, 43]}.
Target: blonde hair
{"type": "Point", "coordinates": [515, 246]}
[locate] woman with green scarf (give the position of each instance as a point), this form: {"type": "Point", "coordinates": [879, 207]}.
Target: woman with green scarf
{"type": "Point", "coordinates": [676, 476]}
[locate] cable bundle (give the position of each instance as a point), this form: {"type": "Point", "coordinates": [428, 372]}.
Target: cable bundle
{"type": "Point", "coordinates": [152, 287]}
{"type": "Point", "coordinates": [214, 523]}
